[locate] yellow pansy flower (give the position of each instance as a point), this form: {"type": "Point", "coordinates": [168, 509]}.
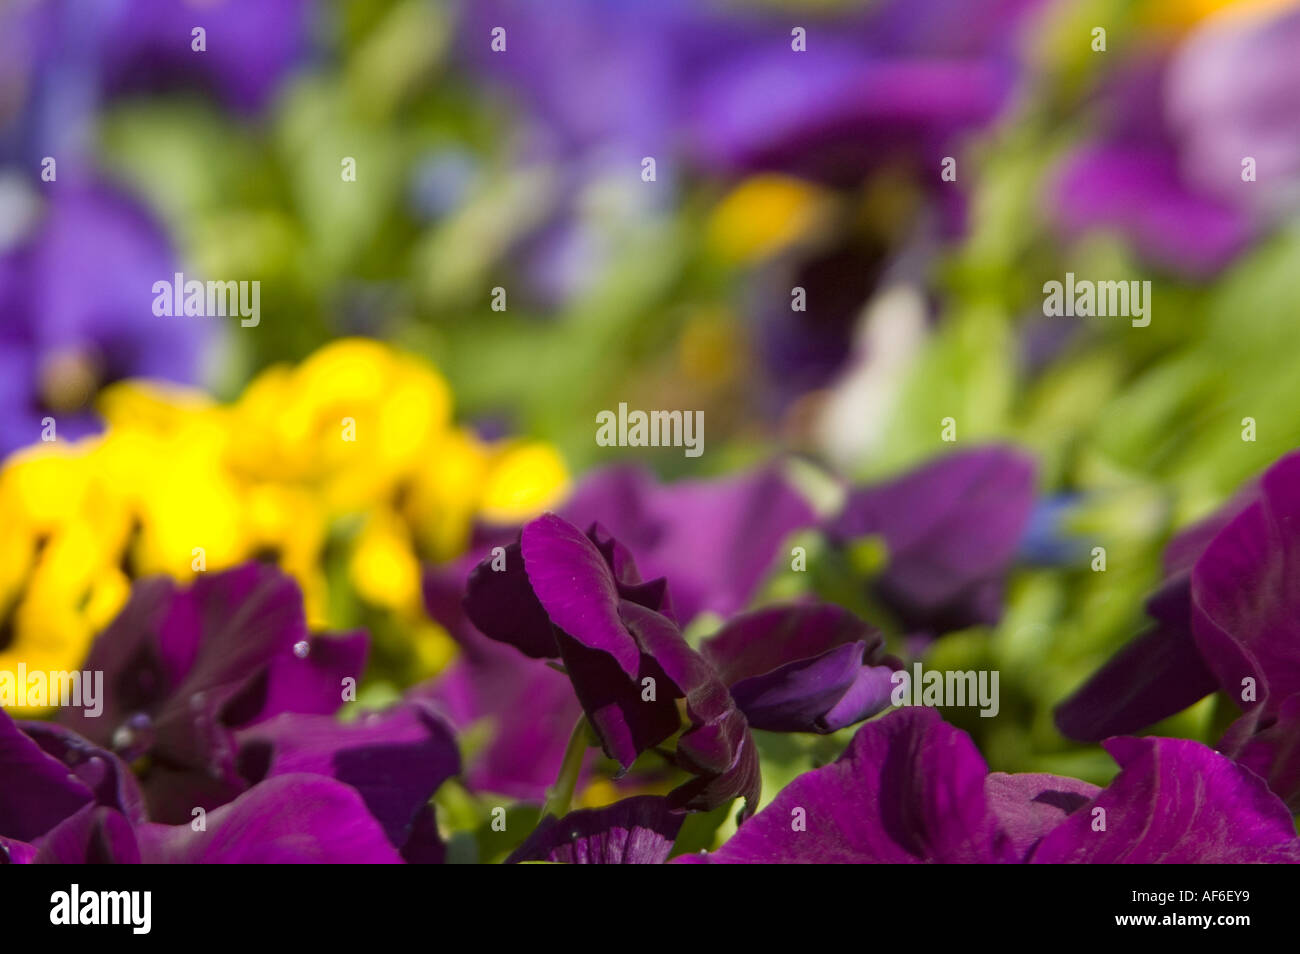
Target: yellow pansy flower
{"type": "Point", "coordinates": [356, 442]}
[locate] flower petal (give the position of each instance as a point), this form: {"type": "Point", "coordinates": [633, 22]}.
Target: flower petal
{"type": "Point", "coordinates": [95, 835]}
{"type": "Point", "coordinates": [790, 667]}
{"type": "Point", "coordinates": [1156, 675]}
{"type": "Point", "coordinates": [1175, 801]}
{"type": "Point", "coordinates": [576, 587]}
{"type": "Point", "coordinates": [634, 831]}
{"type": "Point", "coordinates": [952, 529]}
{"type": "Point", "coordinates": [1030, 805]}
{"type": "Point", "coordinates": [1245, 591]}
{"type": "Point", "coordinates": [396, 759]}
{"type": "Point", "coordinates": [502, 604]}
{"type": "Point", "coordinates": [289, 819]}
{"type": "Point", "coordinates": [909, 788]}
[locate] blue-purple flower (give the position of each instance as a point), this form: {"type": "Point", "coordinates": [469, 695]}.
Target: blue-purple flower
{"type": "Point", "coordinates": [559, 593]}
{"type": "Point", "coordinates": [76, 295]}
{"type": "Point", "coordinates": [72, 54]}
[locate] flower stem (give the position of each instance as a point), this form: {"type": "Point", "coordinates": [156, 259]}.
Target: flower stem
{"type": "Point", "coordinates": [561, 793]}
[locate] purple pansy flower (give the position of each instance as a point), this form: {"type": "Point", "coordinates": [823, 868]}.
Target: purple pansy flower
{"type": "Point", "coordinates": [76, 296]}
{"type": "Point", "coordinates": [902, 80]}
{"type": "Point", "coordinates": [1225, 620]}
{"type": "Point", "coordinates": [251, 46]}
{"type": "Point", "coordinates": [525, 707]}
{"type": "Point", "coordinates": [719, 537]}
{"type": "Point", "coordinates": [559, 593]}
{"type": "Point", "coordinates": [795, 668]}
{"type": "Point", "coordinates": [952, 528]}
{"type": "Point", "coordinates": [911, 788]}
{"type": "Point", "coordinates": [67, 801]}
{"type": "Point", "coordinates": [213, 688]}
{"type": "Point", "coordinates": [184, 667]}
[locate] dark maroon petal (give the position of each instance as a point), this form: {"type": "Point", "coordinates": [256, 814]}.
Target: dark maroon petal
{"type": "Point", "coordinates": [1161, 671]}
{"type": "Point", "coordinates": [626, 722]}
{"type": "Point", "coordinates": [1153, 677]}
{"type": "Point", "coordinates": [797, 696]}
{"type": "Point", "coordinates": [109, 779]}
{"type": "Point", "coordinates": [952, 529]}
{"type": "Point", "coordinates": [1188, 544]}
{"type": "Point", "coordinates": [868, 695]}
{"type": "Point", "coordinates": [754, 644]}
{"type": "Point", "coordinates": [1029, 806]}
{"type": "Point", "coordinates": [95, 835]}
{"type": "Point", "coordinates": [617, 557]}
{"type": "Point", "coordinates": [1246, 592]}
{"type": "Point", "coordinates": [717, 746]}
{"type": "Point", "coordinates": [576, 587]}
{"type": "Point", "coordinates": [289, 819]}
{"type": "Point", "coordinates": [247, 618]}
{"type": "Point", "coordinates": [519, 711]}
{"type": "Point", "coordinates": [36, 790]}
{"type": "Point", "coordinates": [635, 831]}
{"type": "Point", "coordinates": [424, 846]}
{"type": "Point", "coordinates": [1175, 801]}
{"type": "Point", "coordinates": [396, 759]}
{"type": "Point", "coordinates": [1271, 751]}
{"type": "Point", "coordinates": [652, 594]}
{"type": "Point", "coordinates": [909, 788]}
{"type": "Point", "coordinates": [137, 677]}
{"type": "Point", "coordinates": [791, 667]}
{"type": "Point", "coordinates": [502, 604]}
{"type": "Point", "coordinates": [177, 657]}
{"type": "Point", "coordinates": [719, 780]}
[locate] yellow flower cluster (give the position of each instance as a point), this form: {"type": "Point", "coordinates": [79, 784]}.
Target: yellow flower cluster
{"type": "Point", "coordinates": [356, 443]}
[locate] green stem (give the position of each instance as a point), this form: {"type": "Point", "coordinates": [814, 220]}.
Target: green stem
{"type": "Point", "coordinates": [561, 793]}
